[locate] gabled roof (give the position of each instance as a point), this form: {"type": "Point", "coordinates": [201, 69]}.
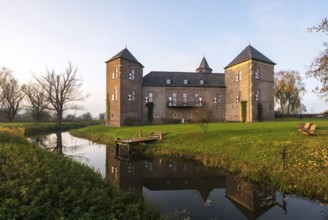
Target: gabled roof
{"type": "Point", "coordinates": [249, 53]}
{"type": "Point", "coordinates": [125, 54]}
{"type": "Point", "coordinates": [158, 78]}
{"type": "Point", "coordinates": [204, 66]}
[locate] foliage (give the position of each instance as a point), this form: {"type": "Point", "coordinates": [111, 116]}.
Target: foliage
{"type": "Point", "coordinates": [130, 120]}
{"type": "Point", "coordinates": [319, 67]}
{"type": "Point", "coordinates": [288, 90]}
{"type": "Point", "coordinates": [107, 107]}
{"type": "Point", "coordinates": [37, 99]}
{"type": "Point", "coordinates": [243, 111]}
{"type": "Point", "coordinates": [62, 89]}
{"type": "Point", "coordinates": [259, 112]}
{"type": "Point", "coordinates": [150, 112]}
{"type": "Point", "coordinates": [170, 120]}
{"type": "Point", "coordinates": [250, 149]}
{"type": "Point", "coordinates": [11, 94]}
{"type": "Point", "coordinates": [37, 184]}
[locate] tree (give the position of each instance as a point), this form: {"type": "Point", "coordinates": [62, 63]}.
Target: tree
{"type": "Point", "coordinates": [86, 116]}
{"type": "Point", "coordinates": [243, 111]}
{"type": "Point", "coordinates": [62, 90]}
{"type": "Point", "coordinates": [11, 94]}
{"type": "Point", "coordinates": [38, 100]}
{"type": "Point", "coordinates": [319, 67]}
{"type": "Point", "coordinates": [288, 90]}
{"type": "Point", "coordinates": [202, 116]}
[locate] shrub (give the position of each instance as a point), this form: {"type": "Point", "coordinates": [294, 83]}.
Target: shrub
{"type": "Point", "coordinates": [243, 111]}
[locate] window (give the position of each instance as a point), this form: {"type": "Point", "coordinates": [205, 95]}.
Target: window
{"type": "Point", "coordinates": [190, 116]}
{"type": "Point", "coordinates": [184, 97]}
{"type": "Point", "coordinates": [156, 115]}
{"type": "Point", "coordinates": [168, 81]}
{"type": "Point", "coordinates": [150, 97]}
{"type": "Point", "coordinates": [257, 73]}
{"type": "Point", "coordinates": [219, 97]}
{"type": "Point", "coordinates": [175, 115]}
{"type": "Point", "coordinates": [114, 96]}
{"type": "Point", "coordinates": [174, 98]}
{"type": "Point", "coordinates": [133, 95]}
{"type": "Point", "coordinates": [132, 75]}
{"type": "Point", "coordinates": [201, 82]}
{"type": "Point", "coordinates": [238, 76]}
{"type": "Point", "coordinates": [238, 97]}
{"type": "Point", "coordinates": [185, 81]}
{"type": "Point", "coordinates": [258, 95]}
{"type": "Point", "coordinates": [114, 75]}
{"type": "Point", "coordinates": [196, 99]}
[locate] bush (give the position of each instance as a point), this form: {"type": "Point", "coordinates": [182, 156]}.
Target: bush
{"type": "Point", "coordinates": [130, 120]}
{"type": "Point", "coordinates": [170, 120]}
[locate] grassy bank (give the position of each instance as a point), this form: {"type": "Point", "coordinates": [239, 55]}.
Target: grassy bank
{"type": "Point", "coordinates": [39, 128]}
{"type": "Point", "coordinates": [37, 184]}
{"type": "Point", "coordinates": [253, 150]}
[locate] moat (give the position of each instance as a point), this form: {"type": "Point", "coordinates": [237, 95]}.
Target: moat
{"type": "Point", "coordinates": [183, 189]}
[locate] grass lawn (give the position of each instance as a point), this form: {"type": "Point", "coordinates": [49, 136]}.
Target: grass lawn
{"type": "Point", "coordinates": [251, 149]}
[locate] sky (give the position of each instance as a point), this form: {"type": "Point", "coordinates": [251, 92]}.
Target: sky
{"type": "Point", "coordinates": [170, 35]}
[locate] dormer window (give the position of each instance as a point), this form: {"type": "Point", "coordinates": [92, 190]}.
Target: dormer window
{"type": "Point", "coordinates": [185, 82]}
{"type": "Point", "coordinates": [201, 82]}
{"type": "Point", "coordinates": [168, 81]}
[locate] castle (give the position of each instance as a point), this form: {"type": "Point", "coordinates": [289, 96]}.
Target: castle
{"type": "Point", "coordinates": [175, 95]}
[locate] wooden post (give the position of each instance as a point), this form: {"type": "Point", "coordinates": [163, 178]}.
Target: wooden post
{"type": "Point", "coordinates": [160, 135]}
{"type": "Point", "coordinates": [140, 133]}
{"type": "Point", "coordinates": [117, 147]}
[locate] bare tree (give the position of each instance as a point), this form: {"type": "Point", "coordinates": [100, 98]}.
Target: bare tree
{"type": "Point", "coordinates": [319, 67]}
{"type": "Point", "coordinates": [288, 89]}
{"type": "Point", "coordinates": [202, 116]}
{"type": "Point", "coordinates": [11, 94]}
{"type": "Point", "coordinates": [62, 90]}
{"type": "Point", "coordinates": [38, 100]}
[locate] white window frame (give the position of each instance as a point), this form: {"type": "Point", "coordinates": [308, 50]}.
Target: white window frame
{"type": "Point", "coordinates": [168, 81]}
{"type": "Point", "coordinates": [258, 95]}
{"type": "Point", "coordinates": [174, 98]}
{"type": "Point", "coordinates": [150, 97]}
{"type": "Point", "coordinates": [185, 82]}
{"type": "Point", "coordinates": [201, 82]}
{"type": "Point", "coordinates": [133, 95]}
{"type": "Point", "coordinates": [184, 97]}
{"type": "Point", "coordinates": [257, 73]}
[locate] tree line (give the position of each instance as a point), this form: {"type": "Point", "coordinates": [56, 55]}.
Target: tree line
{"type": "Point", "coordinates": [50, 92]}
{"type": "Point", "coordinates": [289, 87]}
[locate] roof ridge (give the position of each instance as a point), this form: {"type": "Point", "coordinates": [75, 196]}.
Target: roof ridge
{"type": "Point", "coordinates": [125, 54]}
{"type": "Point", "coordinates": [249, 53]}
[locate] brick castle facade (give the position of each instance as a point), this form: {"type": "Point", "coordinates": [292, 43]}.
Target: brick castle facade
{"type": "Point", "coordinates": [176, 95]}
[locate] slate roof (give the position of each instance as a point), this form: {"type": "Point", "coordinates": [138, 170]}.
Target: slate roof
{"type": "Point", "coordinates": [125, 54]}
{"type": "Point", "coordinates": [249, 53]}
{"type": "Point", "coordinates": [204, 65]}
{"type": "Point", "coordinates": [158, 78]}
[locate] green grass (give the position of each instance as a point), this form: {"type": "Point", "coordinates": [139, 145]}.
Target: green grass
{"type": "Point", "coordinates": [251, 150]}
{"type": "Point", "coordinates": [37, 184]}
{"type": "Point", "coordinates": [46, 127]}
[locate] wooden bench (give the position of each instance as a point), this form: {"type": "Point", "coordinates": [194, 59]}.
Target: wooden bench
{"type": "Point", "coordinates": [311, 130]}
{"type": "Point", "coordinates": [304, 127]}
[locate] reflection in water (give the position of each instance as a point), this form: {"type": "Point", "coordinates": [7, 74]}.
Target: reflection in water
{"type": "Point", "coordinates": [184, 190]}
{"type": "Point", "coordinates": [146, 176]}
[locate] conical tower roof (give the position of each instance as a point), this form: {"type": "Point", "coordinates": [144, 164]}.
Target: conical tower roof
{"type": "Point", "coordinates": [204, 67]}
{"type": "Point", "coordinates": [249, 53]}
{"type": "Point", "coordinates": [125, 54]}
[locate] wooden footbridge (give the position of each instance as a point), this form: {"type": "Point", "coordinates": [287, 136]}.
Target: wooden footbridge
{"type": "Point", "coordinates": [138, 140]}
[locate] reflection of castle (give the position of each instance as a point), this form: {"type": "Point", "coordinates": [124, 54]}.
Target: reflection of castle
{"type": "Point", "coordinates": [252, 200]}
{"type": "Point", "coordinates": [132, 173]}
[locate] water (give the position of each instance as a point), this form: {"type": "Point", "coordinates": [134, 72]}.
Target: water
{"type": "Point", "coordinates": [182, 189]}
